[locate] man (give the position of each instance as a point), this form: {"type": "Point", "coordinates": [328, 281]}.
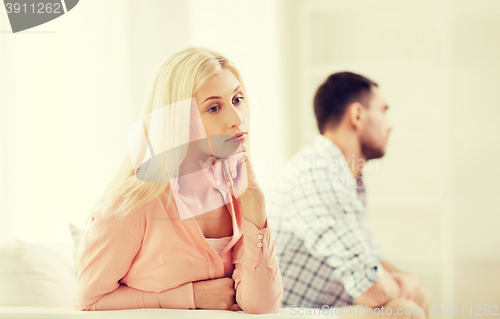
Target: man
{"type": "Point", "coordinates": [328, 253]}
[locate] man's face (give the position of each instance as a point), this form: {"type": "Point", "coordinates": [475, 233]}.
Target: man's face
{"type": "Point", "coordinates": [376, 127]}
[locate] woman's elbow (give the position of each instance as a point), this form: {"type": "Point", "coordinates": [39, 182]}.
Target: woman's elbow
{"type": "Point", "coordinates": [261, 308]}
{"type": "Point", "coordinates": [81, 308]}
{"type": "Point", "coordinates": [85, 307]}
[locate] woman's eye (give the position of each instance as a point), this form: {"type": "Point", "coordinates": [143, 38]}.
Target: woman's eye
{"type": "Point", "coordinates": [238, 100]}
{"type": "Point", "coordinates": [214, 109]}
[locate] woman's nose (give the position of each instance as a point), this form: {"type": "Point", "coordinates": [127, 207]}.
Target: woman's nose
{"type": "Point", "coordinates": [235, 117]}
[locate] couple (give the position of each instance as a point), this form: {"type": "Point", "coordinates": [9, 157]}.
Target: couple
{"type": "Point", "coordinates": [184, 224]}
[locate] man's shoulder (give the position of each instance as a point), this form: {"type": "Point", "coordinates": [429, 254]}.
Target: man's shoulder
{"type": "Point", "coordinates": [315, 173]}
{"type": "Point", "coordinates": [321, 156]}
{"type": "Point", "coordinates": [307, 153]}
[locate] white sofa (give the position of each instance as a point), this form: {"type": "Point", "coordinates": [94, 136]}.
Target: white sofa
{"type": "Point", "coordinates": [51, 313]}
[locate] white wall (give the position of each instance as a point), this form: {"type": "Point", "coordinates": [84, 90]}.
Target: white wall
{"type": "Point", "coordinates": [475, 148]}
{"type": "Point", "coordinates": [247, 32]}
{"type": "Point", "coordinates": [69, 91]}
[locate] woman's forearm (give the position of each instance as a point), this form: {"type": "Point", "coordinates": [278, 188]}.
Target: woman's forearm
{"type": "Point", "coordinates": [253, 207]}
{"type": "Point", "coordinates": [257, 276]}
{"type": "Point", "coordinates": [252, 201]}
{"type": "Point", "coordinates": [125, 297]}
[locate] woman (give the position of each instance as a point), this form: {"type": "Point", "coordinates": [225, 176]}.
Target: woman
{"type": "Point", "coordinates": [139, 249]}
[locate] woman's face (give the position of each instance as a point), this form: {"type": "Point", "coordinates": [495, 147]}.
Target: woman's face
{"type": "Point", "coordinates": [224, 114]}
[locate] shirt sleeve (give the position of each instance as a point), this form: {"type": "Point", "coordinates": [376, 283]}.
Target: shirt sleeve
{"type": "Point", "coordinates": [324, 219]}
{"type": "Point", "coordinates": [374, 241]}
{"type": "Point", "coordinates": [257, 278]}
{"type": "Point", "coordinates": [109, 246]}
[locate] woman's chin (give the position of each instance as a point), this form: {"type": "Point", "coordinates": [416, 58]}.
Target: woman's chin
{"type": "Point", "coordinates": [245, 145]}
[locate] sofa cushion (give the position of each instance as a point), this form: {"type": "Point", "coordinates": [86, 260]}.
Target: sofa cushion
{"type": "Point", "coordinates": [32, 275]}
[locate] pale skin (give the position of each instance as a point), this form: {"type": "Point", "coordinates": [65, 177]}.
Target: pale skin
{"type": "Point", "coordinates": [371, 124]}
{"type": "Point", "coordinates": [221, 102]}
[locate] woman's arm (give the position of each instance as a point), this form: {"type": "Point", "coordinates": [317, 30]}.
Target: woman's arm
{"type": "Point", "coordinates": [257, 277]}
{"type": "Point", "coordinates": [252, 201]}
{"type": "Point", "coordinates": [109, 247]}
{"type": "Point", "coordinates": [125, 297]}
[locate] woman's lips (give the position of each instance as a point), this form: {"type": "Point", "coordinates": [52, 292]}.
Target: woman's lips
{"type": "Point", "coordinates": [238, 138]}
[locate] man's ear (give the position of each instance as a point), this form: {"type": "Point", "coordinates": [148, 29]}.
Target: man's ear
{"type": "Point", "coordinates": [355, 115]}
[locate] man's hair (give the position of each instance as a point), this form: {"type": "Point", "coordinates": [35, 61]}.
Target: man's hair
{"type": "Point", "coordinates": [336, 93]}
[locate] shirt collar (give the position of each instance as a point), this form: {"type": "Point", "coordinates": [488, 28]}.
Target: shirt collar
{"type": "Point", "coordinates": [325, 145]}
{"type": "Point", "coordinates": [332, 151]}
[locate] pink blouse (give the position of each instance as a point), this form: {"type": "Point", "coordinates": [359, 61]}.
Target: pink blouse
{"type": "Point", "coordinates": [219, 244]}
{"type": "Point", "coordinates": [151, 257]}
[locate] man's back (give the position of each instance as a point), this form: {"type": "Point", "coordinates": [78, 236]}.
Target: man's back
{"type": "Point", "coordinates": [328, 254]}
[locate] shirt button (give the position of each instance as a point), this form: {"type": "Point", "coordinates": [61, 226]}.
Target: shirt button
{"type": "Point", "coordinates": [260, 237]}
{"type": "Point", "coordinates": [259, 245]}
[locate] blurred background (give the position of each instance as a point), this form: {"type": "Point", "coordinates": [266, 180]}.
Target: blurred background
{"type": "Point", "coordinates": [70, 89]}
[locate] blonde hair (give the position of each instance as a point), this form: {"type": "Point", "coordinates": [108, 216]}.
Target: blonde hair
{"type": "Point", "coordinates": [177, 79]}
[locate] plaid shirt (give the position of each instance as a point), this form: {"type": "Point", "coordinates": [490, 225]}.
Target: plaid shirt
{"type": "Point", "coordinates": [326, 248]}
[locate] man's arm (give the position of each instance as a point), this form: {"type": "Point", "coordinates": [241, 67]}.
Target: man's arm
{"type": "Point", "coordinates": [373, 239]}
{"type": "Point", "coordinates": [383, 290]}
{"type": "Point", "coordinates": [329, 229]}
{"type": "Point", "coordinates": [390, 267]}
{"type": "Point", "coordinates": [408, 282]}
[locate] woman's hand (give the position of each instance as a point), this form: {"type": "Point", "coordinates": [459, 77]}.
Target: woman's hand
{"type": "Point", "coordinates": [236, 176]}
{"type": "Point", "coordinates": [252, 200]}
{"type": "Point", "coordinates": [215, 294]}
